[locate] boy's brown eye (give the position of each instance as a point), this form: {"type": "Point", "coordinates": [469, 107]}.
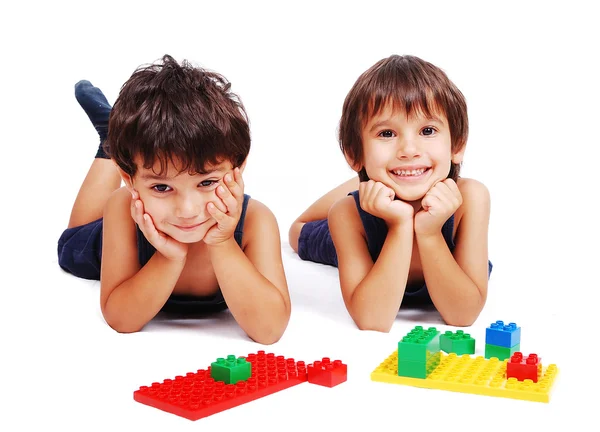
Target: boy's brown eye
{"type": "Point", "coordinates": [428, 131]}
{"type": "Point", "coordinates": [161, 188]}
{"type": "Point", "coordinates": [207, 183]}
{"type": "Point", "coordinates": [387, 134]}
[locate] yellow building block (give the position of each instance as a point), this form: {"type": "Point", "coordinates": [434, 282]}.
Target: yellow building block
{"type": "Point", "coordinates": [470, 374]}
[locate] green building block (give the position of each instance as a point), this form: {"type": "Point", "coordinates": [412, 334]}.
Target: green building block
{"type": "Point", "coordinates": [422, 370]}
{"type": "Point", "coordinates": [501, 353]}
{"type": "Point", "coordinates": [231, 370]}
{"type": "Point", "coordinates": [419, 344]}
{"type": "Point", "coordinates": [459, 343]}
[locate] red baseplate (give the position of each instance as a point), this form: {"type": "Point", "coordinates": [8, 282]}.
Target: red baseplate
{"type": "Point", "coordinates": [197, 395]}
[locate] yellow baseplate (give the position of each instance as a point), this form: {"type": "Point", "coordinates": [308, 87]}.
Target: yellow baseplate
{"type": "Point", "coordinates": [476, 375]}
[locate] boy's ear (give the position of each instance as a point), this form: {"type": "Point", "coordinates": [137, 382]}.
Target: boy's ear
{"type": "Point", "coordinates": [126, 179]}
{"type": "Point", "coordinates": [355, 166]}
{"type": "Point", "coordinates": [457, 157]}
{"type": "Point", "coordinates": [243, 166]}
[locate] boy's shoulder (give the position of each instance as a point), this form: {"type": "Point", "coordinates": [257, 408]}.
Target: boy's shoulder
{"type": "Point", "coordinates": [475, 200]}
{"type": "Point", "coordinates": [473, 190]}
{"type": "Point", "coordinates": [119, 200]}
{"type": "Point", "coordinates": [259, 220]}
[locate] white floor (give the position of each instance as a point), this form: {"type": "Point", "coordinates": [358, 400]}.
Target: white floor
{"type": "Point", "coordinates": [530, 79]}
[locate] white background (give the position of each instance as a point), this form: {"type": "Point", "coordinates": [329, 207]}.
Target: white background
{"type": "Point", "coordinates": [530, 76]}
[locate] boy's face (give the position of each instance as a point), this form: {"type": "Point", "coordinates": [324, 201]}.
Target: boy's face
{"type": "Point", "coordinates": [408, 155]}
{"type": "Point", "coordinates": [177, 202]}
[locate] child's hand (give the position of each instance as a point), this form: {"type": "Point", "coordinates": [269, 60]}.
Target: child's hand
{"type": "Point", "coordinates": [442, 200]}
{"type": "Point", "coordinates": [379, 200]}
{"type": "Point", "coordinates": [165, 245]}
{"type": "Point", "coordinates": [228, 210]}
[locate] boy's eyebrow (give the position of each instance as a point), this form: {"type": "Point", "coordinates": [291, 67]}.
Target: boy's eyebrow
{"type": "Point", "coordinates": [153, 176]}
{"type": "Point", "coordinates": [388, 120]}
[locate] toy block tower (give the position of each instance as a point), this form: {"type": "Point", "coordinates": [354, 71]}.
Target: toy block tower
{"type": "Point", "coordinates": [231, 370]}
{"type": "Point", "coordinates": [419, 352]}
{"type": "Point", "coordinates": [502, 341]}
{"type": "Point", "coordinates": [458, 342]}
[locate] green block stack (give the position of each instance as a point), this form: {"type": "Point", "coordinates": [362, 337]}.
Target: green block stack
{"type": "Point", "coordinates": [419, 352]}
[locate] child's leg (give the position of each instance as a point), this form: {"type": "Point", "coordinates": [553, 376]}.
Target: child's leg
{"type": "Point", "coordinates": [320, 209]}
{"type": "Point", "coordinates": [103, 177]}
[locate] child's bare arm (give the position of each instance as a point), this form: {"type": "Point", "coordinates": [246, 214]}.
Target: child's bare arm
{"type": "Point", "coordinates": [458, 284]}
{"type": "Point", "coordinates": [372, 292]}
{"type": "Point", "coordinates": [253, 281]}
{"type": "Point", "coordinates": [131, 296]}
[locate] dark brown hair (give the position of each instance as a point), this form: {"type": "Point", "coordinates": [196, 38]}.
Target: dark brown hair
{"type": "Point", "coordinates": [411, 85]}
{"type": "Point", "coordinates": [171, 112]}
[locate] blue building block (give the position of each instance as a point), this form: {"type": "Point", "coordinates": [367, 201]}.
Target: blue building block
{"type": "Point", "coordinates": [503, 335]}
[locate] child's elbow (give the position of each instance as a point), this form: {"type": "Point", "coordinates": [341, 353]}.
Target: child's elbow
{"type": "Point", "coordinates": [460, 321]}
{"type": "Point", "coordinates": [119, 325]}
{"type": "Point", "coordinates": [373, 325]}
{"type": "Point", "coordinates": [124, 328]}
{"type": "Point", "coordinates": [268, 337]}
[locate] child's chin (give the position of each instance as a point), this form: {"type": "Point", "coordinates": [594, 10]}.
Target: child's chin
{"type": "Point", "coordinates": [409, 196]}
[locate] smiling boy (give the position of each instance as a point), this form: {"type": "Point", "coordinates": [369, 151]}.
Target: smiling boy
{"type": "Point", "coordinates": [181, 234]}
{"type": "Point", "coordinates": [408, 229]}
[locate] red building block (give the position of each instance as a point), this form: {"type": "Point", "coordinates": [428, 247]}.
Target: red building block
{"type": "Point", "coordinates": [326, 373]}
{"type": "Point", "coordinates": [522, 369]}
{"type": "Point", "coordinates": [197, 395]}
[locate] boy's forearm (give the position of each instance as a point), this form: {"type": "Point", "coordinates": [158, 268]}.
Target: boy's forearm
{"type": "Point", "coordinates": [255, 303]}
{"type": "Point", "coordinates": [376, 300]}
{"type": "Point", "coordinates": [453, 293]}
{"type": "Point", "coordinates": [136, 301]}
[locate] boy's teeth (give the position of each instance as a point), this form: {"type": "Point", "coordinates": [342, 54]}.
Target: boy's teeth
{"type": "Point", "coordinates": [409, 172]}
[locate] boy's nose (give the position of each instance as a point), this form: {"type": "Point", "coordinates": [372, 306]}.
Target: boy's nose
{"type": "Point", "coordinates": [407, 149]}
{"type": "Point", "coordinates": [187, 208]}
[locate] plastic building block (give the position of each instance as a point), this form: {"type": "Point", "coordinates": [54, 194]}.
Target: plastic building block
{"type": "Point", "coordinates": [419, 344]}
{"type": "Point", "coordinates": [197, 394]}
{"type": "Point", "coordinates": [326, 373]}
{"type": "Point", "coordinates": [522, 369]}
{"type": "Point", "coordinates": [475, 375]}
{"type": "Point", "coordinates": [500, 352]}
{"type": "Point", "coordinates": [419, 369]}
{"type": "Point", "coordinates": [503, 335]}
{"type": "Point", "coordinates": [230, 371]}
{"type": "Point", "coordinates": [459, 343]}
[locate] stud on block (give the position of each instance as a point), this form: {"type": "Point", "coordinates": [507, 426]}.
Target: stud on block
{"type": "Point", "coordinates": [504, 335]}
{"type": "Point", "coordinates": [524, 368]}
{"type": "Point", "coordinates": [327, 373]}
{"type": "Point", "coordinates": [459, 343]}
{"type": "Point", "coordinates": [230, 370]}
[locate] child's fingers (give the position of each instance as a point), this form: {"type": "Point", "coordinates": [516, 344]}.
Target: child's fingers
{"type": "Point", "coordinates": [232, 183]}
{"type": "Point", "coordinates": [217, 201]}
{"type": "Point", "coordinates": [430, 201]}
{"type": "Point", "coordinates": [216, 213]}
{"type": "Point", "coordinates": [228, 199]}
{"type": "Point", "coordinates": [453, 189]}
{"type": "Point", "coordinates": [237, 173]}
